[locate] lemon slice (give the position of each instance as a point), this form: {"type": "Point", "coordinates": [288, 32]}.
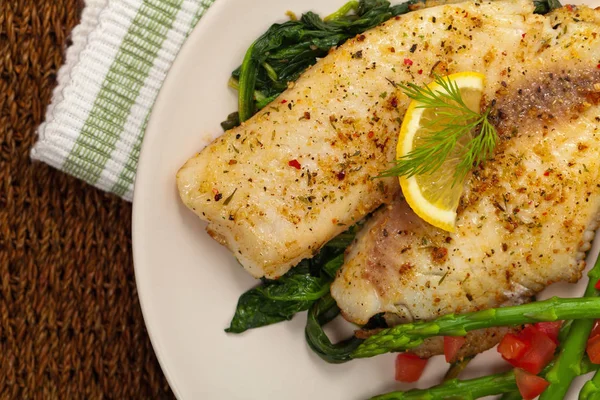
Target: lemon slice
{"type": "Point", "coordinates": [434, 197]}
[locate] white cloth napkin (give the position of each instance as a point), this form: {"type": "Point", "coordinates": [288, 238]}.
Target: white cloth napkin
{"type": "Point", "coordinates": [121, 53]}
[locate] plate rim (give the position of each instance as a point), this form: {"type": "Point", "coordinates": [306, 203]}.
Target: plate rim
{"type": "Point", "coordinates": [144, 157]}
{"type": "Point", "coordinates": [150, 318]}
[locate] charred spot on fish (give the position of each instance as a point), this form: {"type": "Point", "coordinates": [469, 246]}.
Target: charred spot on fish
{"type": "Point", "coordinates": [439, 255]}
{"type": "Point", "coordinates": [593, 97]}
{"type": "Point", "coordinates": [404, 268]}
{"type": "Point", "coordinates": [392, 103]}
{"type": "Point", "coordinates": [358, 54]}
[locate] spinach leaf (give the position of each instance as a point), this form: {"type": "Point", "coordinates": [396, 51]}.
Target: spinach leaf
{"type": "Point", "coordinates": [285, 50]}
{"type": "Point", "coordinates": [320, 313]}
{"type": "Point", "coordinates": [279, 300]}
{"type": "Point", "coordinates": [545, 6]}
{"type": "Point", "coordinates": [331, 267]}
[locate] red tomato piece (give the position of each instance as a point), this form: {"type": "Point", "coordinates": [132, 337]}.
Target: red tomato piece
{"type": "Point", "coordinates": [593, 349]}
{"type": "Point", "coordinates": [512, 347]}
{"type": "Point", "coordinates": [551, 329]}
{"type": "Point", "coordinates": [530, 386]}
{"type": "Point", "coordinates": [409, 367]}
{"type": "Point", "coordinates": [539, 354]}
{"type": "Point", "coordinates": [596, 329]}
{"type": "Point", "coordinates": [597, 285]}
{"type": "Point", "coordinates": [451, 346]}
{"type": "Point", "coordinates": [530, 349]}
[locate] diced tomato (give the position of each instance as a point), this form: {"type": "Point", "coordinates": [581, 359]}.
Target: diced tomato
{"type": "Point", "coordinates": [409, 367]}
{"type": "Point", "coordinates": [593, 344]}
{"type": "Point", "coordinates": [451, 346]}
{"type": "Point", "coordinates": [593, 349]}
{"type": "Point", "coordinates": [530, 349]}
{"type": "Point", "coordinates": [512, 348]}
{"type": "Point", "coordinates": [540, 353]}
{"type": "Point", "coordinates": [530, 386]}
{"type": "Point", "coordinates": [596, 329]}
{"type": "Point", "coordinates": [551, 329]}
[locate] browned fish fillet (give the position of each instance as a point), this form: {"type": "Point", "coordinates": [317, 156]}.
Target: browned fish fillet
{"type": "Point", "coordinates": [527, 216]}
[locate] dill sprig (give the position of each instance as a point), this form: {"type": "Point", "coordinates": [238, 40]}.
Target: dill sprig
{"type": "Point", "coordinates": [453, 121]}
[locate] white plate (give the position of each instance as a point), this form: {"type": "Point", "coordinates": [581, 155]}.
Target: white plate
{"type": "Point", "coordinates": [188, 284]}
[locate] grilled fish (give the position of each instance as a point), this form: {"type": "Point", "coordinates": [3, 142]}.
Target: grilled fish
{"type": "Point", "coordinates": [278, 187]}
{"type": "Point", "coordinates": [528, 215]}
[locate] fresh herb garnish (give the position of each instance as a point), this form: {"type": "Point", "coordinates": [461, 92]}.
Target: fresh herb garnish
{"type": "Point", "coordinates": [454, 120]}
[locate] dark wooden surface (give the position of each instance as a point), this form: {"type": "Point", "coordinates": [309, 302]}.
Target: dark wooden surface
{"type": "Point", "coordinates": [70, 321]}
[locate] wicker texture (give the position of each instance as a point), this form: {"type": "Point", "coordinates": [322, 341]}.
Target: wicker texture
{"type": "Point", "coordinates": [70, 322]}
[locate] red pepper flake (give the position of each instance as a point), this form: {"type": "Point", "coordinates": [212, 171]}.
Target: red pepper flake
{"type": "Point", "coordinates": [218, 196]}
{"type": "Point", "coordinates": [370, 134]}
{"type": "Point", "coordinates": [341, 175]}
{"type": "Point", "coordinates": [597, 285]}
{"type": "Point", "coordinates": [283, 101]}
{"type": "Point", "coordinates": [523, 35]}
{"type": "Point", "coordinates": [547, 173]}
{"type": "Point", "coordinates": [420, 71]}
{"type": "Point", "coordinates": [215, 190]}
{"type": "Point", "coordinates": [466, 15]}
{"type": "Point", "coordinates": [294, 163]}
{"type": "Point", "coordinates": [408, 61]}
{"type": "Point", "coordinates": [569, 7]}
{"type": "Point", "coordinates": [598, 66]}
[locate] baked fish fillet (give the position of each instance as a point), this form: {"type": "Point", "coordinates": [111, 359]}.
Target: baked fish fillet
{"type": "Point", "coordinates": [526, 217]}
{"type": "Point", "coordinates": [278, 187]}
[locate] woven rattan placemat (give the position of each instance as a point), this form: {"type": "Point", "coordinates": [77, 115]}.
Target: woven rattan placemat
{"type": "Point", "coordinates": [70, 322]}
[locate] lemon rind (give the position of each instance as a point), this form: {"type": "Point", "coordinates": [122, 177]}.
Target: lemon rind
{"type": "Point", "coordinates": [442, 218]}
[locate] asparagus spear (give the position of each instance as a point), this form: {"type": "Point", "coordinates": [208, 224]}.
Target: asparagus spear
{"type": "Point", "coordinates": [407, 336]}
{"type": "Point", "coordinates": [473, 388]}
{"type": "Point", "coordinates": [591, 389]}
{"type": "Point", "coordinates": [456, 368]}
{"type": "Point", "coordinates": [572, 350]}
{"type": "Point", "coordinates": [463, 389]}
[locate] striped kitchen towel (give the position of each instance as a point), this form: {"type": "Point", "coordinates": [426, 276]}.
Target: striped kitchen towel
{"type": "Point", "coordinates": [121, 53]}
